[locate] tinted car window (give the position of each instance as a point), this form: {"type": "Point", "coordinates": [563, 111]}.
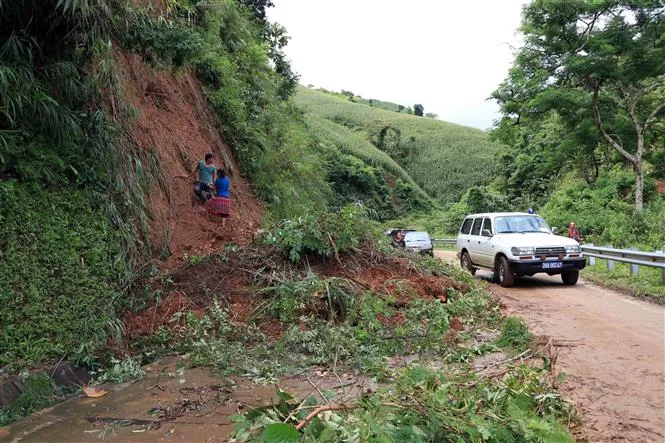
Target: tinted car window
{"type": "Point", "coordinates": [475, 230]}
{"type": "Point", "coordinates": [466, 226]}
{"type": "Point", "coordinates": [487, 224]}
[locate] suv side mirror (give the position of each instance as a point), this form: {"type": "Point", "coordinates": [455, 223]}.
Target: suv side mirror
{"type": "Point", "coordinates": [555, 230]}
{"type": "Point", "coordinates": [487, 233]}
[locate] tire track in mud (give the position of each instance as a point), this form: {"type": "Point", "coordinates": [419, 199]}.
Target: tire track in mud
{"type": "Point", "coordinates": [614, 357]}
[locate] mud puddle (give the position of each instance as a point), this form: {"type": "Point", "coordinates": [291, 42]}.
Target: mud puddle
{"type": "Point", "coordinates": [170, 404]}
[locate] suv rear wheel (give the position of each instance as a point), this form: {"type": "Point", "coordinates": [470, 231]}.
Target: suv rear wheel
{"type": "Point", "coordinates": [503, 274]}
{"type": "Point", "coordinates": [465, 262]}
{"type": "Point", "coordinates": [570, 277]}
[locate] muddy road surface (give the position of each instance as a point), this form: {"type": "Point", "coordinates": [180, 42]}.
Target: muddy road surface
{"type": "Point", "coordinates": [612, 348]}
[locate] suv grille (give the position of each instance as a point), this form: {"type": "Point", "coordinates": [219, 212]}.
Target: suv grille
{"type": "Point", "coordinates": [553, 251]}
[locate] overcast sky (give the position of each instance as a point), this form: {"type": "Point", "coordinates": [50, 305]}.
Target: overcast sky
{"type": "Point", "coordinates": [448, 55]}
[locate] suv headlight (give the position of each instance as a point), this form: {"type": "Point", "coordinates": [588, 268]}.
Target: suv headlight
{"type": "Point", "coordinates": [528, 250]}
{"type": "Point", "coordinates": [573, 249]}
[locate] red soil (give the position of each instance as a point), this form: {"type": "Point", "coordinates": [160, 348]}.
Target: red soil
{"type": "Point", "coordinates": [176, 124]}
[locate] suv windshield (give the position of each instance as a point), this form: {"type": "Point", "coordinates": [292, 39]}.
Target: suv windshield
{"type": "Point", "coordinates": [416, 236]}
{"type": "Point", "coordinates": [520, 223]}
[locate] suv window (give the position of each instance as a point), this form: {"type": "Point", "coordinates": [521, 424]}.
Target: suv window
{"type": "Point", "coordinates": [487, 225]}
{"type": "Point", "coordinates": [466, 226]}
{"type": "Point", "coordinates": [475, 230]}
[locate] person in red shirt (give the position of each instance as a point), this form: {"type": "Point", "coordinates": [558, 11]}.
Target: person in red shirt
{"type": "Point", "coordinates": [574, 233]}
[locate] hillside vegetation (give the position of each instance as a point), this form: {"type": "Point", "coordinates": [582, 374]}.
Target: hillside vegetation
{"type": "Point", "coordinates": [443, 158]}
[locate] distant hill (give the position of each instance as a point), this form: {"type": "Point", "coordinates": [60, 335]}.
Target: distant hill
{"type": "Point", "coordinates": [445, 159]}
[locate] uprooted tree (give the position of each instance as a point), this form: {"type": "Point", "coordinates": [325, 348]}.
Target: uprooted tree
{"type": "Point", "coordinates": [598, 64]}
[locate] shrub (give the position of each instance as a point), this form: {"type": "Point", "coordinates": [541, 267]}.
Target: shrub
{"type": "Point", "coordinates": [324, 234]}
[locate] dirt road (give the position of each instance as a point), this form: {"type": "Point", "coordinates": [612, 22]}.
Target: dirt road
{"type": "Point", "coordinates": [615, 353]}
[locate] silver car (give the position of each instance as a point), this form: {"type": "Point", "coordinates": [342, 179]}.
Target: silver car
{"type": "Point", "coordinates": [418, 241]}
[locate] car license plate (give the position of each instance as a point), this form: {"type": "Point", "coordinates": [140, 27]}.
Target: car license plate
{"type": "Point", "coordinates": [552, 265]}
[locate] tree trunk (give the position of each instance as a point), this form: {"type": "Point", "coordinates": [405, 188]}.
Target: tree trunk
{"type": "Point", "coordinates": [634, 159]}
{"type": "Point", "coordinates": [639, 186]}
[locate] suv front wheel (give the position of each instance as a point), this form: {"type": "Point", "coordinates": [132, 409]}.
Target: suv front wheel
{"type": "Point", "coordinates": [503, 274]}
{"type": "Point", "coordinates": [570, 277]}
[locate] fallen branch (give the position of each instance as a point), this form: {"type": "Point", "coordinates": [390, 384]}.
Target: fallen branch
{"type": "Point", "coordinates": [320, 409]}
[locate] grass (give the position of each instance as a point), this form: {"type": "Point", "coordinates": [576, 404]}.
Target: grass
{"type": "Point", "coordinates": [646, 284]}
{"type": "Point", "coordinates": [445, 159]}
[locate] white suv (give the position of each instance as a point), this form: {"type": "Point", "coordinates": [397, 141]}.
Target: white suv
{"type": "Point", "coordinates": [513, 244]}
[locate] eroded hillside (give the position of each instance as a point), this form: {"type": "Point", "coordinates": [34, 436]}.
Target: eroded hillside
{"type": "Point", "coordinates": [174, 123]}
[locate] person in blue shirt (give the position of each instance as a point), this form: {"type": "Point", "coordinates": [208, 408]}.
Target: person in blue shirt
{"type": "Point", "coordinates": [220, 204]}
{"type": "Point", "coordinates": [222, 184]}
{"type": "Point", "coordinates": [206, 172]}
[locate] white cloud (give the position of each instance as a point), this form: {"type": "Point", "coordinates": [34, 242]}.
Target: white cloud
{"type": "Point", "coordinates": [447, 55]}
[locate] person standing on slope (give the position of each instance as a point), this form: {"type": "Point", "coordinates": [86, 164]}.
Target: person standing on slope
{"type": "Point", "coordinates": [220, 204]}
{"type": "Point", "coordinates": [206, 172]}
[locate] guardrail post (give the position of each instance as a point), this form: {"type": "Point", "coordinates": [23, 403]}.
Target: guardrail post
{"type": "Point", "coordinates": [592, 260]}
{"type": "Point", "coordinates": [634, 269]}
{"type": "Point", "coordinates": [611, 264]}
{"type": "Point", "coordinates": [663, 274]}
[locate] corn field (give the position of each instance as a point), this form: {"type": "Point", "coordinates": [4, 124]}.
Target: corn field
{"type": "Point", "coordinates": [445, 159]}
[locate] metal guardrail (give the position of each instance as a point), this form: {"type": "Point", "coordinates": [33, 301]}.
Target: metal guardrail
{"type": "Point", "coordinates": [654, 259]}
{"type": "Point", "coordinates": [444, 242]}
{"type": "Point", "coordinates": [634, 257]}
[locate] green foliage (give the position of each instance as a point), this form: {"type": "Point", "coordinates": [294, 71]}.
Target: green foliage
{"type": "Point", "coordinates": [604, 213]}
{"type": "Point", "coordinates": [325, 234]}
{"type": "Point", "coordinates": [443, 158]}
{"type": "Point", "coordinates": [169, 42]}
{"type": "Point", "coordinates": [120, 371]}
{"type": "Point", "coordinates": [353, 180]}
{"type": "Point", "coordinates": [38, 393]}
{"type": "Point", "coordinates": [427, 405]}
{"type": "Point", "coordinates": [514, 334]}
{"type": "Point", "coordinates": [56, 271]}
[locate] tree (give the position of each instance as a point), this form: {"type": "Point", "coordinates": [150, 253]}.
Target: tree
{"type": "Point", "coordinates": [258, 7]}
{"type": "Point", "coordinates": [419, 110]}
{"type": "Point", "coordinates": [276, 38]}
{"type": "Point", "coordinates": [597, 64]}
{"type": "Point", "coordinates": [400, 108]}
